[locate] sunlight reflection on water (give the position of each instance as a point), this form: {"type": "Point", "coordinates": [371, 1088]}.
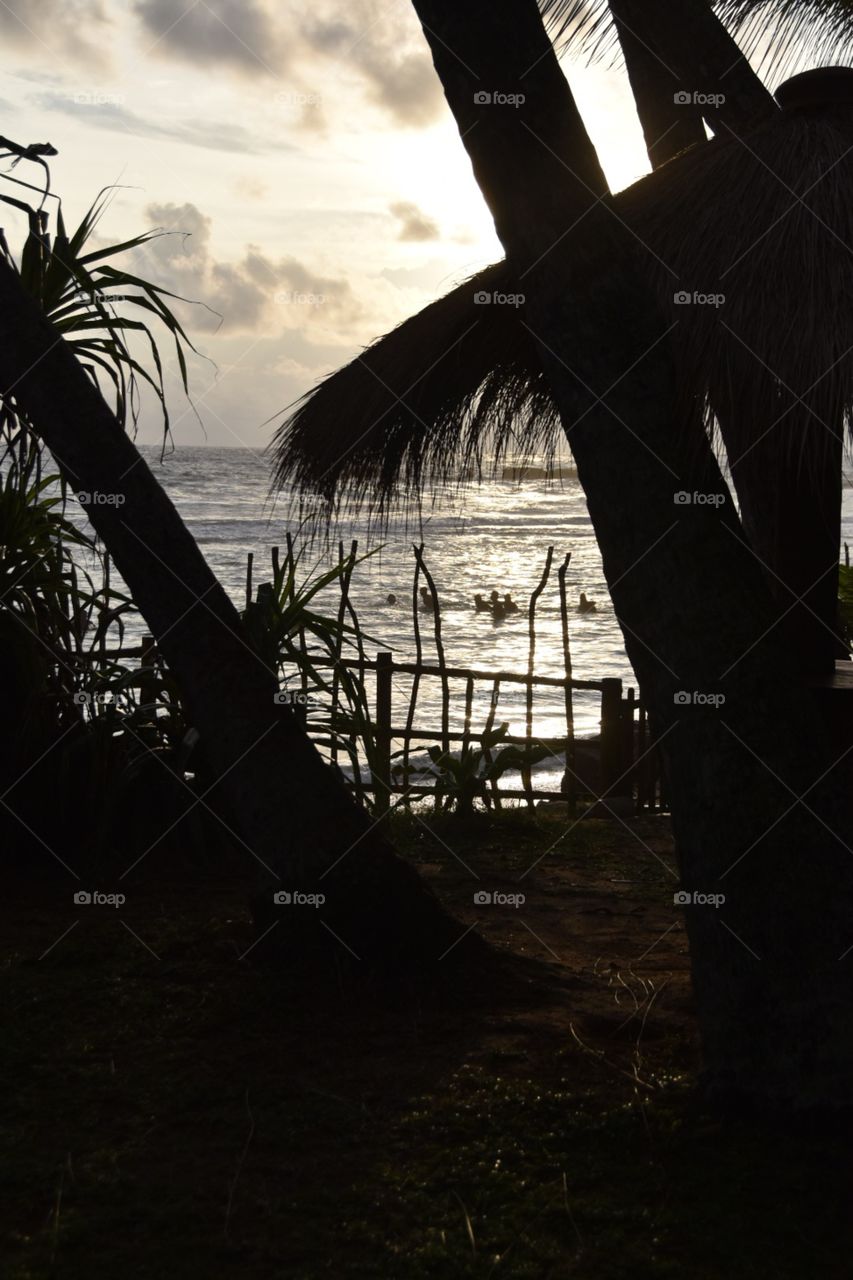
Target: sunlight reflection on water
{"type": "Point", "coordinates": [483, 537]}
{"type": "Point", "coordinates": [493, 536]}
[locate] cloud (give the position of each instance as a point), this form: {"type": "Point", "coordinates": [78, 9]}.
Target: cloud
{"type": "Point", "coordinates": [408, 89]}
{"type": "Point", "coordinates": [75, 29]}
{"type": "Point", "coordinates": [106, 111]}
{"type": "Point", "coordinates": [255, 293]}
{"type": "Point", "coordinates": [310, 42]}
{"type": "Point", "coordinates": [414, 223]}
{"type": "Point", "coordinates": [241, 33]}
{"type": "Point", "coordinates": [386, 48]}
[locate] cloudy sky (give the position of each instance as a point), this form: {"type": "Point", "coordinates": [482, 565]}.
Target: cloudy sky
{"type": "Point", "coordinates": [301, 156]}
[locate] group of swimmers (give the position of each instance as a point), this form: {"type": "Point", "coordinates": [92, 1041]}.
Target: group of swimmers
{"type": "Point", "coordinates": [494, 605]}
{"type": "Point", "coordinates": [500, 608]}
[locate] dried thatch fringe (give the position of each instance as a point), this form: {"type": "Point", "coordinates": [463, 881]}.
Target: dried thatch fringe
{"type": "Point", "coordinates": [764, 223]}
{"type": "Point", "coordinates": [459, 376]}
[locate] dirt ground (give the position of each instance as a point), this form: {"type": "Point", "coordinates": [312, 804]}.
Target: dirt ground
{"type": "Point", "coordinates": [173, 1109]}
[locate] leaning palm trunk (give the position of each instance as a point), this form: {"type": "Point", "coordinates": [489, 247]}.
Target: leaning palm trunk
{"type": "Point", "coordinates": [774, 1002]}
{"type": "Point", "coordinates": [291, 815]}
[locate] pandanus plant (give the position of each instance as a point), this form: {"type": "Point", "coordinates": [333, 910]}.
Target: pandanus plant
{"type": "Point", "coordinates": [287, 809]}
{"type": "Point", "coordinates": [59, 603]}
{"type": "Point", "coordinates": [80, 291]}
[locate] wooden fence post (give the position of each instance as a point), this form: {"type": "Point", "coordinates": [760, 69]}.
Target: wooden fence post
{"type": "Point", "coordinates": [644, 800]}
{"type": "Point", "coordinates": [612, 736]}
{"type": "Point", "coordinates": [570, 783]}
{"type": "Point", "coordinates": [629, 755]}
{"type": "Point", "coordinates": [382, 771]}
{"type": "Point", "coordinates": [250, 560]}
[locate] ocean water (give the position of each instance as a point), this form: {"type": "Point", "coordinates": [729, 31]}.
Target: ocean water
{"type": "Point", "coordinates": [478, 538]}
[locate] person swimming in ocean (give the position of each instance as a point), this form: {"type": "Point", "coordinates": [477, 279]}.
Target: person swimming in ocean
{"type": "Point", "coordinates": [427, 600]}
{"type": "Point", "coordinates": [481, 605]}
{"type": "Point", "coordinates": [509, 604]}
{"type": "Point", "coordinates": [586, 606]}
{"type": "Point", "coordinates": [496, 605]}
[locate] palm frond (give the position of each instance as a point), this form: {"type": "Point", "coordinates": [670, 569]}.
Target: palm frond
{"type": "Point", "coordinates": [582, 26]}
{"type": "Point", "coordinates": [784, 36]}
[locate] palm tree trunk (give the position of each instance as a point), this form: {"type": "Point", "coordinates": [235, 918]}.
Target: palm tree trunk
{"type": "Point", "coordinates": [294, 818]}
{"type": "Point", "coordinates": [669, 126]}
{"type": "Point", "coordinates": [791, 510]}
{"type": "Point", "coordinates": [689, 43]}
{"type": "Point", "coordinates": [773, 999]}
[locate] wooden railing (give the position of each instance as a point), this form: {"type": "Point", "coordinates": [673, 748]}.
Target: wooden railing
{"type": "Point", "coordinates": [623, 764]}
{"type": "Point", "coordinates": [627, 761]}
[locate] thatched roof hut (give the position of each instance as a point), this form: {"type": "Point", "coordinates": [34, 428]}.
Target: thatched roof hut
{"type": "Point", "coordinates": [748, 245]}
